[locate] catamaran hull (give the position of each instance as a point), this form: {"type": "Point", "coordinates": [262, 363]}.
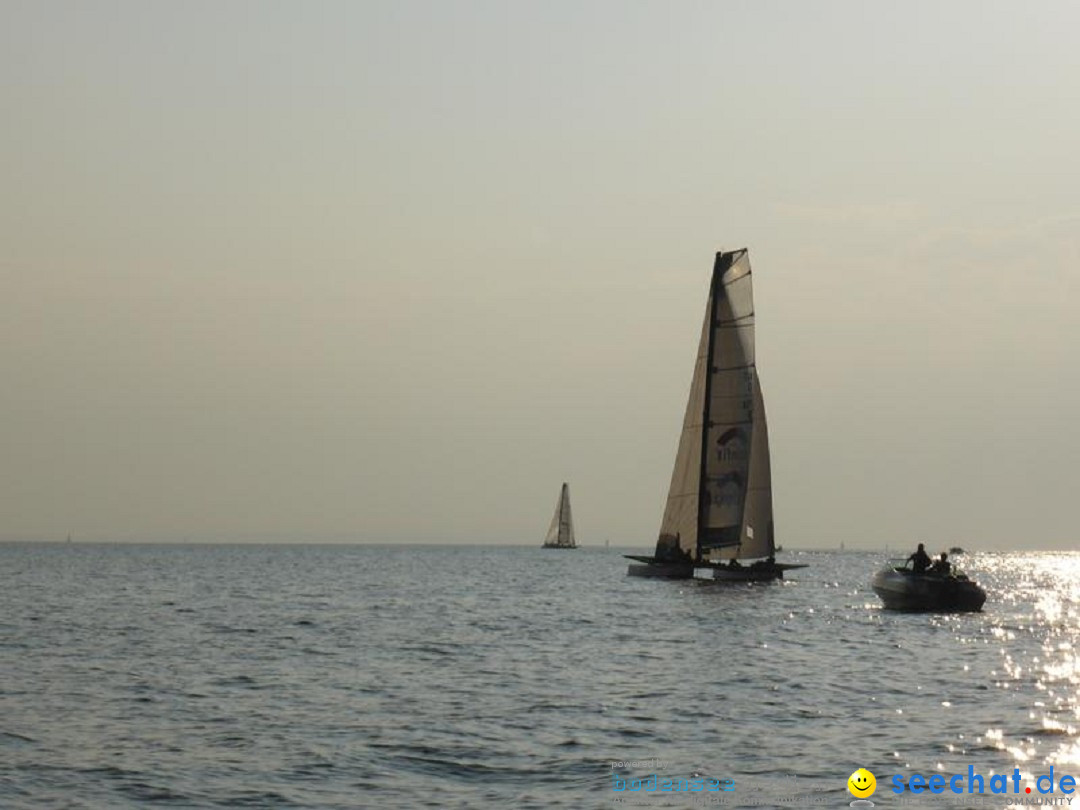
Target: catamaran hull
{"type": "Point", "coordinates": [752, 573]}
{"type": "Point", "coordinates": [650, 567]}
{"type": "Point", "coordinates": [746, 574]}
{"type": "Point", "coordinates": [901, 590]}
{"type": "Point", "coordinates": [645, 567]}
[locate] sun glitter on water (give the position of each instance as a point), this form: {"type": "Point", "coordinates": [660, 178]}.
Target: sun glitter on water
{"type": "Point", "coordinates": [1049, 588]}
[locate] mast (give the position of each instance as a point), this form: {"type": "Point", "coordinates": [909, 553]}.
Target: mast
{"type": "Point", "coordinates": [723, 261]}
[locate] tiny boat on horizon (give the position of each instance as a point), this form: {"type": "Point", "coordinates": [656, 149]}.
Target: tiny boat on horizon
{"type": "Point", "coordinates": [900, 588]}
{"type": "Point", "coordinates": [561, 532]}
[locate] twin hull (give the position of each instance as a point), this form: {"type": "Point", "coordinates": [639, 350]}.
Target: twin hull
{"type": "Point", "coordinates": [674, 570]}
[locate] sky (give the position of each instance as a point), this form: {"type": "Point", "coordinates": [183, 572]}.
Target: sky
{"type": "Point", "coordinates": [393, 271]}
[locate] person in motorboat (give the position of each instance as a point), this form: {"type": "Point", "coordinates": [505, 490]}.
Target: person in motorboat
{"type": "Point", "coordinates": [942, 567]}
{"type": "Point", "coordinates": [920, 560]}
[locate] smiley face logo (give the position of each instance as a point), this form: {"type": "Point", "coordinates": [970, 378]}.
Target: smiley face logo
{"type": "Point", "coordinates": [861, 784]}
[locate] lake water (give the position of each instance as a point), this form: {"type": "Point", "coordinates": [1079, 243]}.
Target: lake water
{"type": "Point", "coordinates": [385, 677]}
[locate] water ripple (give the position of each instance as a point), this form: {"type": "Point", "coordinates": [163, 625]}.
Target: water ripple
{"type": "Point", "coordinates": [337, 677]}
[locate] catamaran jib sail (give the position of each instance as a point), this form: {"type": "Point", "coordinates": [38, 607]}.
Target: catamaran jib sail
{"type": "Point", "coordinates": [561, 532]}
{"type": "Point", "coordinates": [720, 500]}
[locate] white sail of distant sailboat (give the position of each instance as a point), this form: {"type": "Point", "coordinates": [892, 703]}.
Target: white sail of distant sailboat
{"type": "Point", "coordinates": [719, 505]}
{"type": "Point", "coordinates": [561, 532]}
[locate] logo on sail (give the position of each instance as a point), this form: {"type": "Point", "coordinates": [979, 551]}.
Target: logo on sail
{"type": "Point", "coordinates": [733, 445]}
{"type": "Point", "coordinates": [727, 490]}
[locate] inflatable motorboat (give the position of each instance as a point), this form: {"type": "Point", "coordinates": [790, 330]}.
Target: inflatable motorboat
{"type": "Point", "coordinates": [900, 588]}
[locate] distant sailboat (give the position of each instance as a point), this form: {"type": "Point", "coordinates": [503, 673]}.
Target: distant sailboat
{"type": "Point", "coordinates": [561, 532]}
{"type": "Point", "coordinates": [719, 506]}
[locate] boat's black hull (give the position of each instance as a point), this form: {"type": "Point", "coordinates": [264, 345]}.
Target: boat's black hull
{"type": "Point", "coordinates": [721, 572]}
{"type": "Point", "coordinates": [905, 590]}
{"type": "Point", "coordinates": [652, 568]}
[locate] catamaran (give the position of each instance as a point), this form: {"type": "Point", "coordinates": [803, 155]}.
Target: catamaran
{"type": "Point", "coordinates": [719, 507]}
{"type": "Point", "coordinates": [561, 532]}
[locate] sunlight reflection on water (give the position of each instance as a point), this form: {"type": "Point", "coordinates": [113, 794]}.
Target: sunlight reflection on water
{"type": "Point", "coordinates": [1042, 593]}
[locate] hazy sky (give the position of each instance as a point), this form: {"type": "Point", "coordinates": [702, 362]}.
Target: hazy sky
{"type": "Point", "coordinates": [394, 271]}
